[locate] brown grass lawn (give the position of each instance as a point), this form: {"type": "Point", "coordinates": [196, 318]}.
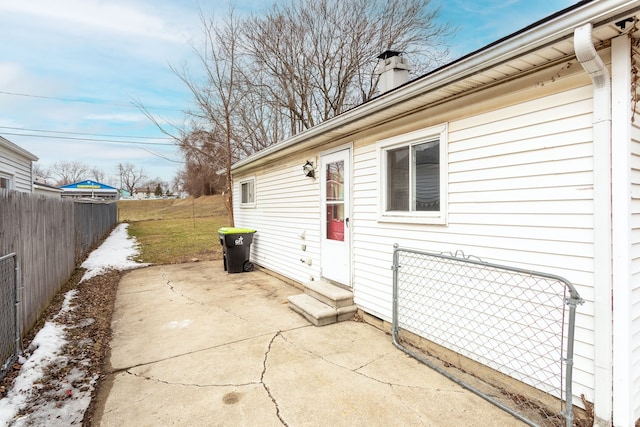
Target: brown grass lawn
{"type": "Point", "coordinates": [175, 230]}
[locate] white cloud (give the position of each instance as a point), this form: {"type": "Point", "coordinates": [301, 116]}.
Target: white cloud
{"type": "Point", "coordinates": [119, 18]}
{"type": "Point", "coordinates": [9, 73]}
{"type": "Point", "coordinates": [102, 54]}
{"type": "Point", "coordinates": [112, 51]}
{"type": "Point", "coordinates": [8, 123]}
{"type": "Point", "coordinates": [118, 117]}
{"type": "Point", "coordinates": [16, 78]}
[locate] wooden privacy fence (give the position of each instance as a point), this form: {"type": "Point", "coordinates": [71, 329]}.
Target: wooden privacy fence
{"type": "Point", "coordinates": [50, 236]}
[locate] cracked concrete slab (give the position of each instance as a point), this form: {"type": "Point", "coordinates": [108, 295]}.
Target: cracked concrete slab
{"type": "Point", "coordinates": [145, 403]}
{"type": "Point", "coordinates": [193, 345]}
{"type": "Point", "coordinates": [242, 365]}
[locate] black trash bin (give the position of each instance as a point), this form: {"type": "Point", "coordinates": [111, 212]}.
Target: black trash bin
{"type": "Point", "coordinates": [236, 248]}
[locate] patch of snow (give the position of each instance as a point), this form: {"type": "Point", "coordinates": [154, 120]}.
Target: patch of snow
{"type": "Point", "coordinates": [65, 404]}
{"type": "Point", "coordinates": [115, 253]}
{"type": "Point", "coordinates": [46, 346]}
{"type": "Point", "coordinates": [66, 304]}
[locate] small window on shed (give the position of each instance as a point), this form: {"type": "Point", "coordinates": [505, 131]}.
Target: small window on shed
{"type": "Point", "coordinates": [5, 182]}
{"type": "Point", "coordinates": [248, 192]}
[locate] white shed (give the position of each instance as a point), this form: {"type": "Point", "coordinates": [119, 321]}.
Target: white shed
{"type": "Point", "coordinates": [524, 153]}
{"type": "Point", "coordinates": [45, 189]}
{"type": "Point", "coordinates": [16, 166]}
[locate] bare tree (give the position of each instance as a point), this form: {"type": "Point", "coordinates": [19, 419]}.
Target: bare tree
{"type": "Point", "coordinates": [217, 98]}
{"type": "Point", "coordinates": [320, 55]}
{"type": "Point", "coordinates": [41, 173]}
{"type": "Point", "coordinates": [205, 159]}
{"type": "Point", "coordinates": [179, 183]}
{"type": "Point", "coordinates": [130, 177]}
{"type": "Point", "coordinates": [262, 79]}
{"type": "Point", "coordinates": [98, 174]}
{"type": "Point", "coordinates": [67, 172]}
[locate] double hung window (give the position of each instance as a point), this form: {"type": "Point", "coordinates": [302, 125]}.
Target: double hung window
{"type": "Point", "coordinates": [248, 192]}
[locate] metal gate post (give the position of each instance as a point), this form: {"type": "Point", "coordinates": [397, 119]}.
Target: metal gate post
{"type": "Point", "coordinates": [17, 306]}
{"type": "Point", "coordinates": [572, 302]}
{"type": "Point", "coordinates": [394, 316]}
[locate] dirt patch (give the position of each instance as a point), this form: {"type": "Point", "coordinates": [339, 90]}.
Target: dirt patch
{"type": "Point", "coordinates": [98, 299]}
{"type": "Point", "coordinates": [88, 330]}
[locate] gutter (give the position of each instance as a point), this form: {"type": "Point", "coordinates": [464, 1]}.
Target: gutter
{"type": "Point", "coordinates": [602, 269]}
{"type": "Point", "coordinates": [16, 148]}
{"type": "Point", "coordinates": [555, 28]}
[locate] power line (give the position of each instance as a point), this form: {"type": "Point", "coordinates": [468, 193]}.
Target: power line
{"type": "Point", "coordinates": [82, 133]}
{"type": "Point", "coordinates": [88, 139]}
{"type": "Point", "coordinates": [89, 101]}
{"type": "Point", "coordinates": [162, 157]}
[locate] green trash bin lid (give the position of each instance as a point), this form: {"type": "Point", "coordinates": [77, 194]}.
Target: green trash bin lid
{"type": "Point", "coordinates": [234, 230]}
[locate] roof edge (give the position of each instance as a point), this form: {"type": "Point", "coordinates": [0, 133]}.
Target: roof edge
{"type": "Point", "coordinates": [18, 149]}
{"type": "Point", "coordinates": [555, 27]}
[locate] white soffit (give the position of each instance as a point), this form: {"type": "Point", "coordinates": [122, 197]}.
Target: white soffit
{"type": "Point", "coordinates": [539, 46]}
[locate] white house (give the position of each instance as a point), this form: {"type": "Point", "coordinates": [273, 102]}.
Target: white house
{"type": "Point", "coordinates": [524, 153]}
{"type": "Point", "coordinates": [16, 167]}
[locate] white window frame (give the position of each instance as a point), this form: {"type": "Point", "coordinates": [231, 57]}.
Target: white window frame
{"type": "Point", "coordinates": [439, 132]}
{"type": "Point", "coordinates": [252, 203]}
{"type": "Point", "coordinates": [9, 178]}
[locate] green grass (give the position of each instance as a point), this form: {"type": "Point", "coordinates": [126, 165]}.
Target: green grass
{"type": "Point", "coordinates": [140, 210]}
{"type": "Point", "coordinates": [175, 231]}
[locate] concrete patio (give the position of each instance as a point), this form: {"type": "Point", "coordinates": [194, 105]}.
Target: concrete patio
{"type": "Point", "coordinates": [193, 345]}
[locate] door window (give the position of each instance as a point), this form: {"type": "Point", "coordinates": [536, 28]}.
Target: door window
{"type": "Point", "coordinates": [335, 200]}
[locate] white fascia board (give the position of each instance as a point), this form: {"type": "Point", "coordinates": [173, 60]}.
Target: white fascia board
{"type": "Point", "coordinates": [548, 31]}
{"type": "Point", "coordinates": [17, 149]}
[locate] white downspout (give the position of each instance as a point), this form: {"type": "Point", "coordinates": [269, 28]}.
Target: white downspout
{"type": "Point", "coordinates": [621, 226]}
{"type": "Point", "coordinates": [597, 70]}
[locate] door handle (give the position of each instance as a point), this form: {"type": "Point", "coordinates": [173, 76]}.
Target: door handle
{"type": "Point", "coordinates": [346, 221]}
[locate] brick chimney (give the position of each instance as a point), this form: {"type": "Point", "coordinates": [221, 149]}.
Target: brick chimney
{"type": "Point", "coordinates": [393, 70]}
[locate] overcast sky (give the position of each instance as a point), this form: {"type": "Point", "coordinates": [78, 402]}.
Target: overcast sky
{"type": "Point", "coordinates": [72, 68]}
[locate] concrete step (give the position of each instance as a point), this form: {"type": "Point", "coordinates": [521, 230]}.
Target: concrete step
{"type": "Point", "coordinates": [314, 311]}
{"type": "Point", "coordinates": [322, 309]}
{"type": "Point", "coordinates": [346, 313]}
{"type": "Point", "coordinates": [329, 294]}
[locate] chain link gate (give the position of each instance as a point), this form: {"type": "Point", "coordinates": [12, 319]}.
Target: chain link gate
{"type": "Point", "coordinates": [9, 327]}
{"type": "Point", "coordinates": [513, 321]}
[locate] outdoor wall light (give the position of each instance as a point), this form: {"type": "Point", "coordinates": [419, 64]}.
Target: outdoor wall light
{"type": "Point", "coordinates": [308, 169]}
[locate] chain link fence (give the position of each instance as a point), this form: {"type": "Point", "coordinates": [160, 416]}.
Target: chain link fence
{"type": "Point", "coordinates": [9, 329]}
{"type": "Point", "coordinates": [511, 330]}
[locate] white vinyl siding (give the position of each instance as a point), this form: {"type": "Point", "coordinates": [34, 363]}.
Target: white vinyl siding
{"type": "Point", "coordinates": [286, 218]}
{"type": "Point", "coordinates": [635, 264]}
{"type": "Point", "coordinates": [519, 193]}
{"type": "Point", "coordinates": [16, 168]}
